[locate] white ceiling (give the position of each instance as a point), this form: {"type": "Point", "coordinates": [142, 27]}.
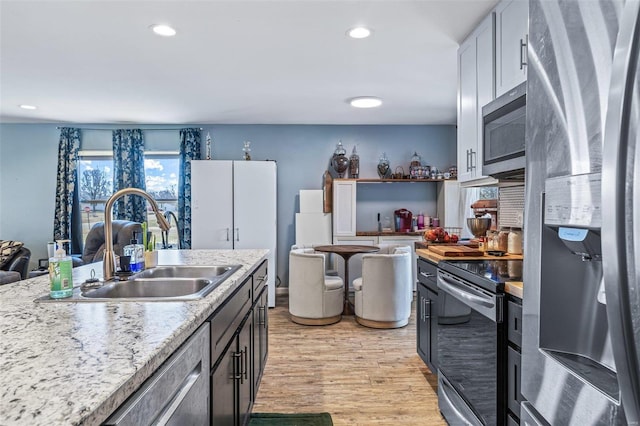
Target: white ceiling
{"type": "Point", "coordinates": [250, 62]}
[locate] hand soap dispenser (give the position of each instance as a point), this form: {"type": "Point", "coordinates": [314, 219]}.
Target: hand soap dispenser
{"type": "Point", "coordinates": [136, 252]}
{"type": "Point", "coordinates": [60, 275]}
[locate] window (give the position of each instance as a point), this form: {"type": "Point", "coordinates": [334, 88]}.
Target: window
{"type": "Point", "coordinates": [95, 177]}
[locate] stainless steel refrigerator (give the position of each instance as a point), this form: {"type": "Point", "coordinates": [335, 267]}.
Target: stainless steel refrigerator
{"type": "Point", "coordinates": [581, 326]}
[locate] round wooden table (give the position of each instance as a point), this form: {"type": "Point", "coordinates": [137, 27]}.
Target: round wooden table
{"type": "Point", "coordinates": [346, 251]}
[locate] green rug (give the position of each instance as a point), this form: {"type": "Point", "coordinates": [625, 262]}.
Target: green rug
{"type": "Point", "coordinates": [297, 419]}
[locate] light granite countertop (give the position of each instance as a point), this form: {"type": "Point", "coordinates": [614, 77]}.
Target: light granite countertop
{"type": "Point", "coordinates": [75, 363]}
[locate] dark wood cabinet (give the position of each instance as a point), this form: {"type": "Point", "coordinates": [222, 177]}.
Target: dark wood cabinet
{"type": "Point", "coordinates": [514, 335]}
{"type": "Point", "coordinates": [427, 314]}
{"type": "Point", "coordinates": [177, 393]}
{"type": "Point", "coordinates": [260, 338]}
{"type": "Point", "coordinates": [242, 345]}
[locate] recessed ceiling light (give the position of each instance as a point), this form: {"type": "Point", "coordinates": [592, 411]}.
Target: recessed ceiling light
{"type": "Point", "coordinates": [365, 102]}
{"type": "Point", "coordinates": [359, 32]}
{"type": "Point", "coordinates": [23, 106]}
{"type": "Point", "coordinates": [163, 30]}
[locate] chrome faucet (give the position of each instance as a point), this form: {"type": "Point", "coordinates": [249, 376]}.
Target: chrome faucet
{"type": "Point", "coordinates": [109, 258]}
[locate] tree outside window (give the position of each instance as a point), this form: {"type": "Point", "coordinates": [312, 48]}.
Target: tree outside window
{"type": "Point", "coordinates": [95, 174]}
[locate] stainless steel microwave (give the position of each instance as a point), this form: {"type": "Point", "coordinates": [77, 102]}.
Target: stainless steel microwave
{"type": "Point", "coordinates": [503, 139]}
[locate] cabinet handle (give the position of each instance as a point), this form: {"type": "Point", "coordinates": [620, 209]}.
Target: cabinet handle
{"type": "Point", "coordinates": [427, 275]}
{"type": "Point", "coordinates": [523, 51]}
{"type": "Point", "coordinates": [237, 234]}
{"type": "Point", "coordinates": [227, 234]}
{"type": "Point", "coordinates": [468, 155]}
{"type": "Point", "coordinates": [261, 316]}
{"type": "Point", "coordinates": [473, 163]}
{"type": "Point", "coordinates": [180, 395]}
{"type": "Point", "coordinates": [244, 368]}
{"type": "Point", "coordinates": [237, 370]}
{"type": "Point", "coordinates": [428, 304]}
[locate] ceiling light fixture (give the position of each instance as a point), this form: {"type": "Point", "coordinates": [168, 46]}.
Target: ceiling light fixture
{"type": "Point", "coordinates": [163, 30]}
{"type": "Point", "coordinates": [365, 102]}
{"type": "Point", "coordinates": [23, 106]}
{"type": "Point", "coordinates": [359, 32]}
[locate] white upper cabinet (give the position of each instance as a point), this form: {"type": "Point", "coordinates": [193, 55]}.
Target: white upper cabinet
{"type": "Point", "coordinates": [475, 89]}
{"type": "Point", "coordinates": [344, 208]}
{"type": "Point", "coordinates": [512, 29]}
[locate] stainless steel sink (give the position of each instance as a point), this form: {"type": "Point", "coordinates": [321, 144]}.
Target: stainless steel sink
{"type": "Point", "coordinates": [194, 271]}
{"type": "Point", "coordinates": [162, 283]}
{"type": "Point", "coordinates": [151, 287]}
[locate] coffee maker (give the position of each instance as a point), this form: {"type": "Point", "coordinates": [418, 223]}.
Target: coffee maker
{"type": "Point", "coordinates": [403, 220]}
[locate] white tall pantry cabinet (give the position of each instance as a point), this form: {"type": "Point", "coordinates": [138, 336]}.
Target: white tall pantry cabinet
{"type": "Point", "coordinates": [233, 206]}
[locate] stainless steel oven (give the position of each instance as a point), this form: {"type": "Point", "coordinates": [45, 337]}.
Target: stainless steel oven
{"type": "Point", "coordinates": [471, 343]}
{"type": "Point", "coordinates": [503, 141]}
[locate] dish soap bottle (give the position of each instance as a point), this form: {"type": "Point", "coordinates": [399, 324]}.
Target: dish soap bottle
{"type": "Point", "coordinates": [136, 252]}
{"type": "Point", "coordinates": [60, 275]}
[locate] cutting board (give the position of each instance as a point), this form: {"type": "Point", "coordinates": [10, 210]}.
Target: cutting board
{"type": "Point", "coordinates": [446, 250]}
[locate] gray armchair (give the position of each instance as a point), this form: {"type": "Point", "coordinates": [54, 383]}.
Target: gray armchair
{"type": "Point", "coordinates": [123, 231]}
{"type": "Point", "coordinates": [16, 267]}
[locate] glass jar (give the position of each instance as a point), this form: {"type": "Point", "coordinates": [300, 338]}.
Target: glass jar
{"type": "Point", "coordinates": [492, 241]}
{"type": "Point", "coordinates": [515, 241]}
{"type": "Point", "coordinates": [503, 240]}
{"type": "Point", "coordinates": [354, 164]}
{"type": "Point", "coordinates": [339, 161]}
{"type": "Point", "coordinates": [383, 166]}
{"type": "Point", "coordinates": [416, 161]}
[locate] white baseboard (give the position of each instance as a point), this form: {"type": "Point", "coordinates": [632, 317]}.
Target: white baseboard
{"type": "Point", "coordinates": [282, 290]}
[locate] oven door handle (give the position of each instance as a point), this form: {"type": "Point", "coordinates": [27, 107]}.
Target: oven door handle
{"type": "Point", "coordinates": [484, 304]}
{"type": "Point", "coordinates": [453, 406]}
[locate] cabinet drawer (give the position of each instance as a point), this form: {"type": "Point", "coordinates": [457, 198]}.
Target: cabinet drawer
{"type": "Point", "coordinates": [177, 393]}
{"type": "Point", "coordinates": [427, 274]}
{"type": "Point", "coordinates": [259, 280]}
{"type": "Point", "coordinates": [226, 321]}
{"type": "Point", "coordinates": [514, 332]}
{"type": "Point", "coordinates": [514, 397]}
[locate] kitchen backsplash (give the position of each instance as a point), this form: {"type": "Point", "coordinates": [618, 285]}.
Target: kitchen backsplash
{"type": "Point", "coordinates": [511, 206]}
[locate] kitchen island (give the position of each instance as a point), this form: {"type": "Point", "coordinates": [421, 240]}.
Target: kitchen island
{"type": "Point", "coordinates": [76, 363]}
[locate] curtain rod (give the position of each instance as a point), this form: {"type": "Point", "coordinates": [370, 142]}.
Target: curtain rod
{"type": "Point", "coordinates": [128, 128]}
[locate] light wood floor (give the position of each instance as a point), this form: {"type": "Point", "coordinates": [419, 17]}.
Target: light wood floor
{"type": "Point", "coordinates": [361, 376]}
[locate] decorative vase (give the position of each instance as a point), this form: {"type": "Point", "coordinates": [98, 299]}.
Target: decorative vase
{"type": "Point", "coordinates": [247, 150]}
{"type": "Point", "coordinates": [354, 164]}
{"type": "Point", "coordinates": [383, 167]}
{"type": "Point", "coordinates": [339, 161]}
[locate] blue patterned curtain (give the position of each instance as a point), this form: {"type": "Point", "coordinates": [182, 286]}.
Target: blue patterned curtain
{"type": "Point", "coordinates": [189, 150]}
{"type": "Point", "coordinates": [128, 172]}
{"type": "Point", "coordinates": [66, 187]}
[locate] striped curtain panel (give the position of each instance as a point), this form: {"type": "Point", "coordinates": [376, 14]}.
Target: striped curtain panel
{"type": "Point", "coordinates": [189, 150]}
{"type": "Point", "coordinates": [128, 172]}
{"type": "Point", "coordinates": [66, 187]}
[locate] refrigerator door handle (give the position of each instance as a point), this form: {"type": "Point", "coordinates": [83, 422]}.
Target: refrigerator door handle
{"type": "Point", "coordinates": [620, 140]}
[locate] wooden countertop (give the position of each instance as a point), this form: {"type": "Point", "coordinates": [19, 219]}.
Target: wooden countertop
{"type": "Point", "coordinates": [514, 288]}
{"type": "Point", "coordinates": [435, 258]}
